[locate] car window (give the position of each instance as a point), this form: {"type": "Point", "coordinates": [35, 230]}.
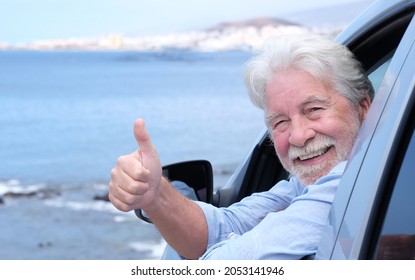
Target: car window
{"type": "Point", "coordinates": [376, 46]}
{"type": "Point", "coordinates": [397, 236]}
{"type": "Point", "coordinates": [377, 75]}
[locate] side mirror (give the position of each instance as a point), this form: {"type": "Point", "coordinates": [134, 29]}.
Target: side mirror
{"type": "Point", "coordinates": [197, 174]}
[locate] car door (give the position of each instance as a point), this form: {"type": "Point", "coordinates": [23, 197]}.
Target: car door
{"type": "Point", "coordinates": [377, 178]}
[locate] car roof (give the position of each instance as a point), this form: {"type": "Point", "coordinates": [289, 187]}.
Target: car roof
{"type": "Point", "coordinates": [376, 13]}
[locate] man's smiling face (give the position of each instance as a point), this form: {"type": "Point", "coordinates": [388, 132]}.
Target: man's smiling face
{"type": "Point", "coordinates": [312, 126]}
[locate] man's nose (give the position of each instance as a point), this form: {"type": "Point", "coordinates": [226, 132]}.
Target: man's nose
{"type": "Point", "coordinates": [301, 132]}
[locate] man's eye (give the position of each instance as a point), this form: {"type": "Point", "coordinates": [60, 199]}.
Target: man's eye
{"type": "Point", "coordinates": [278, 124]}
{"type": "Point", "coordinates": [315, 109]}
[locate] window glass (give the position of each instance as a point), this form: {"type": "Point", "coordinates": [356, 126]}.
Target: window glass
{"type": "Point", "coordinates": [397, 240]}
{"type": "Point", "coordinates": [377, 75]}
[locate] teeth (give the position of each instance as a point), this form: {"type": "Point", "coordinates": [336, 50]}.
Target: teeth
{"type": "Point", "coordinates": [315, 154]}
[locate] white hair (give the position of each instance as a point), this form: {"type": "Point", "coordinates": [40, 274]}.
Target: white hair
{"type": "Point", "coordinates": [333, 64]}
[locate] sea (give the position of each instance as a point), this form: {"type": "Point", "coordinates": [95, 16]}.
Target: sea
{"type": "Point", "coordinates": [65, 118]}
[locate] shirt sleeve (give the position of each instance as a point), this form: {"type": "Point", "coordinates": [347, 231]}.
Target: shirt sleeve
{"type": "Point", "coordinates": [284, 226]}
{"type": "Point", "coordinates": [246, 214]}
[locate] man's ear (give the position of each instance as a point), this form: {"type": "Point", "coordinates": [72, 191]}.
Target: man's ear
{"type": "Point", "coordinates": [364, 107]}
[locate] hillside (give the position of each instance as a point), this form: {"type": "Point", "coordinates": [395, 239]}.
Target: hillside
{"type": "Point", "coordinates": [238, 35]}
{"type": "Point", "coordinates": [255, 23]}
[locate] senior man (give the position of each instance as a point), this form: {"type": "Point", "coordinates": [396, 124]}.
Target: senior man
{"type": "Point", "coordinates": [315, 96]}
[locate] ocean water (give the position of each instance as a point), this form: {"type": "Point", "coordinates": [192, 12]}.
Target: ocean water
{"type": "Point", "coordinates": [65, 117]}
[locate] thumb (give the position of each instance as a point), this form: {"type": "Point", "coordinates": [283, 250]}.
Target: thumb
{"type": "Point", "coordinates": [142, 137]}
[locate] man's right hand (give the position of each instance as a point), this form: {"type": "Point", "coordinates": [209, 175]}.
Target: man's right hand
{"type": "Point", "coordinates": [136, 177]}
{"type": "Point", "coordinates": [137, 183]}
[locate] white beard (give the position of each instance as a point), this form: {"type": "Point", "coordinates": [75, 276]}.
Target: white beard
{"type": "Point", "coordinates": [308, 175]}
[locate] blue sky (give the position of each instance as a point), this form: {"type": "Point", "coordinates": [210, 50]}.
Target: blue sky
{"type": "Point", "coordinates": [23, 21]}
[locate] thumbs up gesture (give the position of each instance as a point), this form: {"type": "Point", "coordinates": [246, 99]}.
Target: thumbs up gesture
{"type": "Point", "coordinates": [136, 177]}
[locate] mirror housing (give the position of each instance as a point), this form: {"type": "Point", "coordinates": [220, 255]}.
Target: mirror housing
{"type": "Point", "coordinates": [196, 174]}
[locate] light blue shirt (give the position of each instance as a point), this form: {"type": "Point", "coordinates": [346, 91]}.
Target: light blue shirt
{"type": "Point", "coordinates": [285, 222]}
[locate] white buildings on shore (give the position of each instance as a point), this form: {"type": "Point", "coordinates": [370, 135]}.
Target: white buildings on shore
{"type": "Point", "coordinates": [239, 36]}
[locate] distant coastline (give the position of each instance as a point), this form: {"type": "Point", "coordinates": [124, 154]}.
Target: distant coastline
{"type": "Point", "coordinates": [241, 35]}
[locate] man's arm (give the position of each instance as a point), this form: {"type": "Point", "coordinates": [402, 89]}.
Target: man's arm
{"type": "Point", "coordinates": [180, 221]}
{"type": "Point", "coordinates": [137, 183]}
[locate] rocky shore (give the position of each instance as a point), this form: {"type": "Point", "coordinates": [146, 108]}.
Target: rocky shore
{"type": "Point", "coordinates": [70, 223]}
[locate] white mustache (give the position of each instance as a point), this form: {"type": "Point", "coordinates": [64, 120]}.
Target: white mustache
{"type": "Point", "coordinates": [317, 146]}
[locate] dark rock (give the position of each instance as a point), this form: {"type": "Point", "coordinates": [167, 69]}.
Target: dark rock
{"type": "Point", "coordinates": [41, 193]}
{"type": "Point", "coordinates": [44, 244]}
{"type": "Point", "coordinates": [103, 197]}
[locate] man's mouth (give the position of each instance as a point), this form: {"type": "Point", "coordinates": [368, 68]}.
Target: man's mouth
{"type": "Point", "coordinates": [314, 154]}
